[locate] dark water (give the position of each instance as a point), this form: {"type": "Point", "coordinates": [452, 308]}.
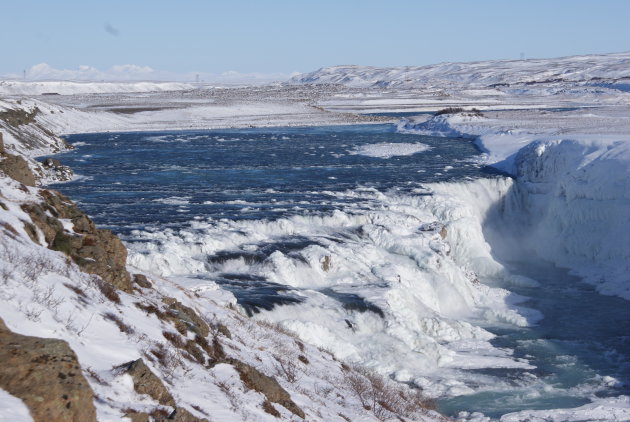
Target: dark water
{"type": "Point", "coordinates": [167, 179]}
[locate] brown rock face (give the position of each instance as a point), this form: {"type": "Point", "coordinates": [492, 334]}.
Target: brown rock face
{"type": "Point", "coordinates": [96, 251]}
{"type": "Point", "coordinates": [186, 315]}
{"type": "Point", "coordinates": [146, 382]}
{"type": "Point", "coordinates": [181, 415]}
{"type": "Point", "coordinates": [268, 386]}
{"type": "Point", "coordinates": [17, 168]}
{"type": "Point", "coordinates": [46, 376]}
{"type": "Point", "coordinates": [19, 117]}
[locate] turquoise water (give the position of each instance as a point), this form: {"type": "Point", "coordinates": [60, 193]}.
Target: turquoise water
{"type": "Point", "coordinates": [581, 348]}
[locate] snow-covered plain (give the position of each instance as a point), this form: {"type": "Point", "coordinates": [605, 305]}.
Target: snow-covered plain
{"type": "Point", "coordinates": [559, 126]}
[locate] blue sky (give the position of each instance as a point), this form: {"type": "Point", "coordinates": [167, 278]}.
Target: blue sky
{"type": "Point", "coordinates": [279, 37]}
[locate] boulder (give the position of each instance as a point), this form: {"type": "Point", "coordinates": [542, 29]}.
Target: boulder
{"type": "Point", "coordinates": [45, 374]}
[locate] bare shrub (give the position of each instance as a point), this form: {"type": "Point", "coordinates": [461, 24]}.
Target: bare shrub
{"type": "Point", "coordinates": [95, 376]}
{"type": "Point", "coordinates": [34, 267]}
{"type": "Point", "coordinates": [287, 368]}
{"type": "Point", "coordinates": [175, 339]}
{"type": "Point", "coordinates": [151, 309]}
{"type": "Point", "coordinates": [79, 291]}
{"type": "Point", "coordinates": [33, 313]}
{"type": "Point", "coordinates": [124, 328]}
{"type": "Point", "coordinates": [107, 289]}
{"type": "Point", "coordinates": [6, 272]}
{"type": "Point", "coordinates": [46, 297]}
{"type": "Point", "coordinates": [384, 398]}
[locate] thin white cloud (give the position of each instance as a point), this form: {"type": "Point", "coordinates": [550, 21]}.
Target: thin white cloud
{"type": "Point", "coordinates": [133, 72]}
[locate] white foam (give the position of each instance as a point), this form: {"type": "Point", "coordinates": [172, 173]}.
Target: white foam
{"type": "Point", "coordinates": [389, 149]}
{"type": "Point", "coordinates": [381, 250]}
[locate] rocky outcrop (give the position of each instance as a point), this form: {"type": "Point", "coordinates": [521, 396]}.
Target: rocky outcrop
{"type": "Point", "coordinates": [253, 379]}
{"type": "Point", "coordinates": [146, 382]}
{"type": "Point", "coordinates": [56, 170]}
{"type": "Point", "coordinates": [46, 376]}
{"type": "Point", "coordinates": [96, 251]}
{"type": "Point", "coordinates": [15, 167]}
{"type": "Point", "coordinates": [19, 117]}
{"type": "Point", "coordinates": [181, 314]}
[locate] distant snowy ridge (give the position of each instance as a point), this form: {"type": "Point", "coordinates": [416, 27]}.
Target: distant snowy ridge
{"type": "Point", "coordinates": [70, 87]}
{"type": "Point", "coordinates": [575, 69]}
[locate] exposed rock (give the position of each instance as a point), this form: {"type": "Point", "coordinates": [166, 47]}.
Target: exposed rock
{"type": "Point", "coordinates": [57, 170]}
{"type": "Point", "coordinates": [181, 415]}
{"type": "Point", "coordinates": [142, 281]}
{"type": "Point", "coordinates": [17, 168]}
{"type": "Point", "coordinates": [137, 416]}
{"type": "Point", "coordinates": [268, 386]}
{"type": "Point", "coordinates": [146, 382]}
{"type": "Point", "coordinates": [96, 251]}
{"type": "Point", "coordinates": [178, 415]}
{"type": "Point", "coordinates": [188, 316]}
{"type": "Point", "coordinates": [19, 117]}
{"type": "Point", "coordinates": [46, 376]}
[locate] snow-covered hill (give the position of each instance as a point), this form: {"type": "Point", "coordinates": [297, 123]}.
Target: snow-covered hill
{"type": "Point", "coordinates": [9, 87]}
{"type": "Point", "coordinates": [591, 68]}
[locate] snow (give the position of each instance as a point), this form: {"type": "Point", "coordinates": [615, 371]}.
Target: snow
{"type": "Point", "coordinates": [487, 73]}
{"type": "Point", "coordinates": [13, 409]}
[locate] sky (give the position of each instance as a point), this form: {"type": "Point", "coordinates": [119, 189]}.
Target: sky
{"type": "Point", "coordinates": [267, 39]}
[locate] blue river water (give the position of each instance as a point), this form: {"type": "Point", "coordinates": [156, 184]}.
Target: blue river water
{"type": "Point", "coordinates": [165, 179]}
